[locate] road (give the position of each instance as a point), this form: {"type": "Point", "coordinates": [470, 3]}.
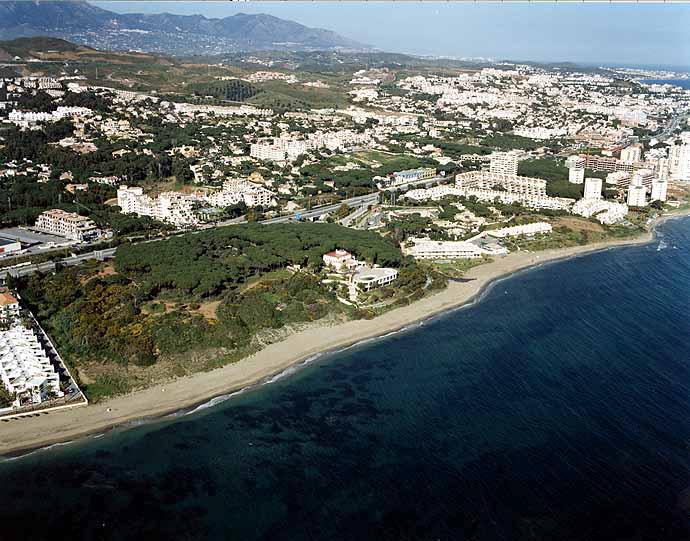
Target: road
{"type": "Point", "coordinates": [49, 266]}
{"type": "Point", "coordinates": [360, 201]}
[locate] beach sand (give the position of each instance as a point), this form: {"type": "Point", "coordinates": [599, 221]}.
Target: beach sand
{"type": "Point", "coordinates": [29, 433]}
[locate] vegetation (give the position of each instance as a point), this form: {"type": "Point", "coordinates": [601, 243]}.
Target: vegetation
{"type": "Point", "coordinates": [233, 90]}
{"type": "Point", "coordinates": [195, 298]}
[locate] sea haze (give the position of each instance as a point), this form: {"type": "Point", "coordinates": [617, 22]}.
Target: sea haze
{"type": "Point", "coordinates": [558, 407]}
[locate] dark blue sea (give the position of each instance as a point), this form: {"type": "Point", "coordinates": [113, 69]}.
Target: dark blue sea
{"type": "Point", "coordinates": [683, 83]}
{"type": "Point", "coordinates": [556, 408]}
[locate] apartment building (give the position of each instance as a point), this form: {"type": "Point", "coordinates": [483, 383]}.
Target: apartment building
{"type": "Point", "coordinates": [659, 190]}
{"type": "Point", "coordinates": [25, 369]}
{"type": "Point", "coordinates": [236, 191]}
{"type": "Point", "coordinates": [443, 250]}
{"type": "Point", "coordinates": [631, 154]}
{"type": "Point", "coordinates": [576, 169]}
{"type": "Point", "coordinates": [504, 163]}
{"type": "Point", "coordinates": [171, 207]}
{"type": "Point", "coordinates": [679, 159]}
{"type": "Point", "coordinates": [67, 224]}
{"type": "Point", "coordinates": [593, 188]}
{"type": "Point", "coordinates": [517, 230]}
{"type": "Point", "coordinates": [606, 212]}
{"type": "Point", "coordinates": [637, 194]}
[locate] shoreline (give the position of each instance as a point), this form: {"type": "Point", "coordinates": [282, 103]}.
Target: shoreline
{"type": "Point", "coordinates": [21, 436]}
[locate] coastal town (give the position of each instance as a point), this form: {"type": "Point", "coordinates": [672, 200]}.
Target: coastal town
{"type": "Point", "coordinates": [419, 177]}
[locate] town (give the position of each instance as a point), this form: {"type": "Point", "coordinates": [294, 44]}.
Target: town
{"type": "Point", "coordinates": [420, 177]}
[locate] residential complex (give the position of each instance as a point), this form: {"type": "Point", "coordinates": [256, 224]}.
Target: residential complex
{"type": "Point", "coordinates": [25, 369]}
{"type": "Point", "coordinates": [504, 163]}
{"type": "Point", "coordinates": [518, 230]}
{"type": "Point", "coordinates": [67, 224]}
{"type": "Point", "coordinates": [171, 207]}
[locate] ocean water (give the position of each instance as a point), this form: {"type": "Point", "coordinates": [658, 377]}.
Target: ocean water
{"type": "Point", "coordinates": [556, 408]}
{"type": "Point", "coordinates": [683, 83]}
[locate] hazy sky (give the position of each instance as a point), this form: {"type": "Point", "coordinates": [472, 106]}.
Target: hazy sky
{"type": "Point", "coordinates": [586, 32]}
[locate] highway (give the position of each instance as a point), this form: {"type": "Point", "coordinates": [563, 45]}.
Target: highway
{"type": "Point", "coordinates": [49, 266]}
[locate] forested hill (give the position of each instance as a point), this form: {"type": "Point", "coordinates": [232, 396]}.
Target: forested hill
{"type": "Point", "coordinates": [190, 303]}
{"type": "Point", "coordinates": [203, 264]}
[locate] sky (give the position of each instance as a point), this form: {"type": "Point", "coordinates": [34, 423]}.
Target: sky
{"type": "Point", "coordinates": [618, 33]}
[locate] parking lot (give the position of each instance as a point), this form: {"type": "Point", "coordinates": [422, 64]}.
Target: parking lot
{"type": "Point", "coordinates": [34, 242]}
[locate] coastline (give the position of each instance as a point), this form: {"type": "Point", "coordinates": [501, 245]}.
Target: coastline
{"type": "Point", "coordinates": [23, 435]}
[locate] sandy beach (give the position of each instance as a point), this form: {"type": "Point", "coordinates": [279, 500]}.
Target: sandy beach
{"type": "Point", "coordinates": [29, 433]}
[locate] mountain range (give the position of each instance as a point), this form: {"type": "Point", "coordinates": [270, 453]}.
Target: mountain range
{"type": "Point", "coordinates": [182, 35]}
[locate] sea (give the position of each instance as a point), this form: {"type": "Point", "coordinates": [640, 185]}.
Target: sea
{"type": "Point", "coordinates": [556, 407]}
{"type": "Point", "coordinates": [683, 83]}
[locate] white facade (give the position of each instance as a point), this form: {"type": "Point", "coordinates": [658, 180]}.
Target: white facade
{"type": "Point", "coordinates": [439, 250]}
{"type": "Point", "coordinates": [340, 260]}
{"type": "Point", "coordinates": [504, 163]}
{"type": "Point", "coordinates": [9, 306]}
{"type": "Point", "coordinates": [67, 224]}
{"type": "Point", "coordinates": [576, 169]}
{"type": "Point", "coordinates": [659, 189]}
{"type": "Point", "coordinates": [631, 154]}
{"type": "Point", "coordinates": [236, 191]}
{"type": "Point", "coordinates": [527, 191]}
{"type": "Point", "coordinates": [25, 369]}
{"type": "Point", "coordinates": [606, 212]}
{"type": "Point", "coordinates": [679, 160]}
{"type": "Point", "coordinates": [517, 230]}
{"type": "Point", "coordinates": [618, 178]}
{"type": "Point", "coordinates": [171, 207]}
{"type": "Point", "coordinates": [593, 188]}
{"type": "Point", "coordinates": [637, 195]}
{"type": "Point", "coordinates": [368, 278]}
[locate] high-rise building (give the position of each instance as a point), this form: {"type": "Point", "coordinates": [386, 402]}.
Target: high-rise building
{"type": "Point", "coordinates": [659, 188]}
{"type": "Point", "coordinates": [576, 169]}
{"type": "Point", "coordinates": [504, 163]}
{"type": "Point", "coordinates": [593, 188]}
{"type": "Point", "coordinates": [679, 159]}
{"type": "Point", "coordinates": [637, 193]}
{"type": "Point", "coordinates": [631, 154]}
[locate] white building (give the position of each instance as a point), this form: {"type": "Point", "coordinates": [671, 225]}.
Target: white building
{"type": "Point", "coordinates": [67, 224]}
{"type": "Point", "coordinates": [659, 189]}
{"type": "Point", "coordinates": [576, 169]}
{"type": "Point", "coordinates": [637, 195]}
{"type": "Point", "coordinates": [504, 163]}
{"type": "Point", "coordinates": [527, 191]}
{"type": "Point", "coordinates": [679, 159]}
{"type": "Point", "coordinates": [434, 193]}
{"type": "Point", "coordinates": [171, 207]}
{"type": "Point", "coordinates": [281, 150]}
{"type": "Point", "coordinates": [441, 250]}
{"type": "Point", "coordinates": [517, 230]}
{"type": "Point", "coordinates": [236, 190]}
{"type": "Point", "coordinates": [593, 188]}
{"type": "Point", "coordinates": [341, 260]}
{"type": "Point", "coordinates": [631, 154]}
{"type": "Point", "coordinates": [9, 306]}
{"type": "Point", "coordinates": [370, 277]}
{"type": "Point", "coordinates": [619, 179]}
{"type": "Point", "coordinates": [25, 369]}
{"type": "Point", "coordinates": [606, 212]}
{"type": "Point", "coordinates": [8, 247]}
